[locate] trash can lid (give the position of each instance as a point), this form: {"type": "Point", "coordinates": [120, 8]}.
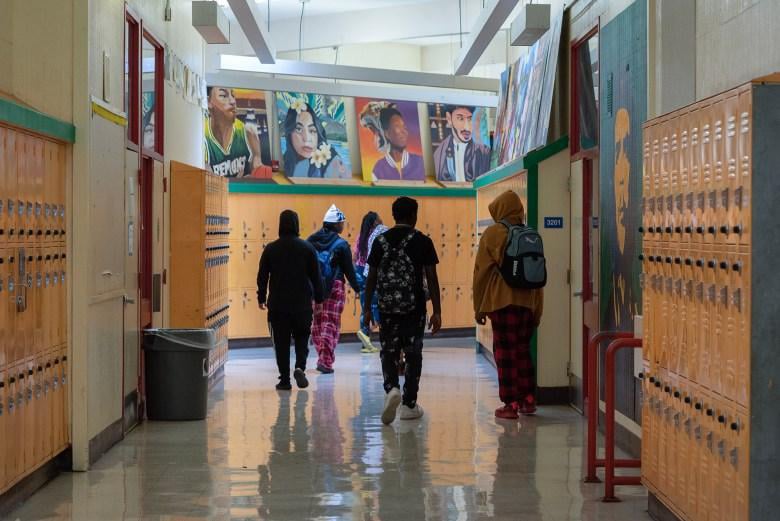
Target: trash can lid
{"type": "Point", "coordinates": [165, 339]}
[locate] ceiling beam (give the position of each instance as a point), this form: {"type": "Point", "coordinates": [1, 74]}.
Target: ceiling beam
{"type": "Point", "coordinates": [490, 20]}
{"type": "Point", "coordinates": [368, 74]}
{"type": "Point", "coordinates": [244, 11]}
{"type": "Point", "coordinates": [257, 81]}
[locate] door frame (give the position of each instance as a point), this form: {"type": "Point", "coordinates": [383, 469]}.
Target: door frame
{"type": "Point", "coordinates": [588, 157]}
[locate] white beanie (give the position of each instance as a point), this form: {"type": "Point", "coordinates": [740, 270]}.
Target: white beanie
{"type": "Point", "coordinates": [334, 215]}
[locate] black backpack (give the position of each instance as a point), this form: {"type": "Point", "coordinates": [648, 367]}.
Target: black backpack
{"type": "Point", "coordinates": [396, 278]}
{"type": "Point", "coordinates": [523, 266]}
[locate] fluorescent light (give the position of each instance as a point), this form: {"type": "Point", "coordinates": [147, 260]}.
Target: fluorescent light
{"type": "Point", "coordinates": [487, 25]}
{"type": "Point", "coordinates": [532, 22]}
{"type": "Point", "coordinates": [347, 72]}
{"type": "Point", "coordinates": [244, 11]}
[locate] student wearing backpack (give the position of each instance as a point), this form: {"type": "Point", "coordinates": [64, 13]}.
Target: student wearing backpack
{"type": "Point", "coordinates": [335, 262]}
{"type": "Point", "coordinates": [401, 260]}
{"type": "Point", "coordinates": [290, 265]}
{"type": "Point", "coordinates": [507, 289]}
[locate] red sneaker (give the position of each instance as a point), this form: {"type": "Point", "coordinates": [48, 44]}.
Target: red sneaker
{"type": "Point", "coordinates": [528, 406]}
{"type": "Point", "coordinates": [507, 412]}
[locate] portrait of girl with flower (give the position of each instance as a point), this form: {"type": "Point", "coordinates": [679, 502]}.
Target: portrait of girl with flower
{"type": "Point", "coordinates": [306, 149]}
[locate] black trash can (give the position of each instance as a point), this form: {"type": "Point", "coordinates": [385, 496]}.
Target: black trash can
{"type": "Point", "coordinates": [176, 368]}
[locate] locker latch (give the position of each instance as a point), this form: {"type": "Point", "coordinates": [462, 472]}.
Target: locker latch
{"type": "Point", "coordinates": [733, 457]}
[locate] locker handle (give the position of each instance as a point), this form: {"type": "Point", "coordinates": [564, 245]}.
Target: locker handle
{"type": "Point", "coordinates": [652, 379]}
{"type": "Point", "coordinates": [48, 365]}
{"type": "Point", "coordinates": [667, 389]}
{"type": "Point", "coordinates": [724, 265]}
{"type": "Point", "coordinates": [687, 399]}
{"type": "Point", "coordinates": [697, 406]}
{"type": "Point", "coordinates": [658, 384]}
{"type": "Point", "coordinates": [641, 256]}
{"type": "Point", "coordinates": [700, 229]}
{"type": "Point", "coordinates": [737, 267]}
{"type": "Point", "coordinates": [738, 229]}
{"type": "Point", "coordinates": [30, 372]}
{"type": "Point", "coordinates": [711, 264]}
{"type": "Point", "coordinates": [710, 412]}
{"type": "Point", "coordinates": [668, 229]}
{"type": "Point", "coordinates": [688, 229]}
{"type": "Point", "coordinates": [721, 419]}
{"type": "Point", "coordinates": [688, 261]}
{"type": "Point", "coordinates": [40, 368]}
{"type": "Point", "coordinates": [677, 394]}
{"type": "Point", "coordinates": [724, 229]}
{"type": "Point", "coordinates": [678, 229]}
{"type": "Point", "coordinates": [734, 426]}
{"type": "Point", "coordinates": [658, 258]}
{"type": "Point", "coordinates": [711, 230]}
{"type": "Point", "coordinates": [700, 263]}
{"type": "Point", "coordinates": [641, 376]}
{"type": "Point", "coordinates": [677, 260]}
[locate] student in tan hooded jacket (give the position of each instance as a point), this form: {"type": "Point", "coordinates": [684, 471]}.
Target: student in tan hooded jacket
{"type": "Point", "coordinates": [513, 313]}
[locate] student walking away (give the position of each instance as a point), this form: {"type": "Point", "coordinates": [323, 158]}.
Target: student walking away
{"type": "Point", "coordinates": [369, 229]}
{"type": "Point", "coordinates": [335, 262]}
{"type": "Point", "coordinates": [399, 260]}
{"type": "Point", "coordinates": [509, 273]}
{"type": "Point", "coordinates": [290, 264]}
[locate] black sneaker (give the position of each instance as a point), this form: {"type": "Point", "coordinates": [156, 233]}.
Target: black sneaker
{"type": "Point", "coordinates": [284, 386]}
{"type": "Point", "coordinates": [300, 378]}
{"type": "Point", "coordinates": [324, 370]}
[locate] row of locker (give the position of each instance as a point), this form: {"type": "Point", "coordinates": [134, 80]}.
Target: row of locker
{"type": "Point", "coordinates": [32, 189]}
{"type": "Point", "coordinates": [216, 200]}
{"type": "Point", "coordinates": [216, 264]}
{"type": "Point", "coordinates": [218, 321]}
{"type": "Point", "coordinates": [697, 169]}
{"type": "Point", "coordinates": [456, 262]}
{"type": "Point", "coordinates": [33, 301]}
{"type": "Point", "coordinates": [255, 217]}
{"type": "Point", "coordinates": [695, 449]}
{"type": "Point", "coordinates": [248, 321]}
{"type": "Point", "coordinates": [34, 420]}
{"type": "Point", "coordinates": [697, 317]}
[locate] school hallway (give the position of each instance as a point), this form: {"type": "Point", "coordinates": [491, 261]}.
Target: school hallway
{"type": "Point", "coordinates": [323, 454]}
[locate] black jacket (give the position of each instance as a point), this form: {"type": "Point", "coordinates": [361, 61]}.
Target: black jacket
{"type": "Point", "coordinates": [342, 255]}
{"type": "Point", "coordinates": [291, 265]}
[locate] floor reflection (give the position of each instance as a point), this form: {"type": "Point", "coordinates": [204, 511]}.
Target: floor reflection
{"type": "Point", "coordinates": [323, 454]}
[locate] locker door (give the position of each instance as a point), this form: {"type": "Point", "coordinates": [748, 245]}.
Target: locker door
{"type": "Point", "coordinates": [44, 426]}
{"type": "Point", "coordinates": [447, 305]}
{"type": "Point", "coordinates": [4, 424]}
{"type": "Point", "coordinates": [648, 450]}
{"type": "Point", "coordinates": [60, 396]}
{"type": "Point", "coordinates": [705, 317]}
{"type": "Point", "coordinates": [464, 310]}
{"type": "Point", "coordinates": [689, 461]}
{"type": "Point", "coordinates": [245, 259]}
{"type": "Point", "coordinates": [38, 194]}
{"type": "Point", "coordinates": [20, 429]}
{"type": "Point", "coordinates": [16, 332]}
{"type": "Point", "coordinates": [727, 416]}
{"type": "Point", "coordinates": [29, 415]}
{"type": "Point", "coordinates": [6, 318]}
{"type": "Point", "coordinates": [742, 302]}
{"type": "Point", "coordinates": [62, 295]}
{"type": "Point", "coordinates": [719, 307]}
{"type": "Point", "coordinates": [14, 428]}
{"type": "Point", "coordinates": [704, 477]}
{"type": "Point", "coordinates": [739, 459]}
{"type": "Point", "coordinates": [729, 333]}
{"type": "Point", "coordinates": [679, 455]}
{"type": "Point", "coordinates": [744, 166]}
{"type": "Point", "coordinates": [4, 190]}
{"type": "Point", "coordinates": [663, 435]}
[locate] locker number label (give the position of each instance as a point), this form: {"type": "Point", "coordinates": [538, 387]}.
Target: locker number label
{"type": "Point", "coordinates": [553, 222]}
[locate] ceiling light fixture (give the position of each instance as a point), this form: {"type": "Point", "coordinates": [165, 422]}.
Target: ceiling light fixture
{"type": "Point", "coordinates": [211, 22]}
{"type": "Point", "coordinates": [532, 22]}
{"type": "Point", "coordinates": [487, 25]}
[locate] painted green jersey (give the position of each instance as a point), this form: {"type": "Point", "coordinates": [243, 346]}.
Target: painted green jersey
{"type": "Point", "coordinates": [236, 160]}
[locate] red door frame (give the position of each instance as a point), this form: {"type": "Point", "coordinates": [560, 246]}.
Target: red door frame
{"type": "Point", "coordinates": [587, 157]}
{"type": "Point", "coordinates": [145, 169]}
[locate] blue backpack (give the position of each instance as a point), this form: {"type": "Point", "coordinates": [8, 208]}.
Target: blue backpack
{"type": "Point", "coordinates": [328, 271]}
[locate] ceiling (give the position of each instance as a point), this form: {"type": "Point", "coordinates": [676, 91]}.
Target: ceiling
{"type": "Point", "coordinates": [286, 9]}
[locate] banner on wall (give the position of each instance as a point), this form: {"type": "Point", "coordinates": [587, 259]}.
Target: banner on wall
{"type": "Point", "coordinates": [237, 143]}
{"type": "Point", "coordinates": [525, 99]}
{"type": "Point", "coordinates": [460, 139]}
{"type": "Point", "coordinates": [390, 142]}
{"type": "Point", "coordinates": [313, 134]}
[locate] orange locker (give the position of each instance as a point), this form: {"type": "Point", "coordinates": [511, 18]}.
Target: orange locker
{"type": "Point", "coordinates": [728, 345]}
{"type": "Point", "coordinates": [688, 462]}
{"type": "Point", "coordinates": [26, 375]}
{"type": "Point", "coordinates": [17, 419]}
{"type": "Point", "coordinates": [649, 452]}
{"type": "Point", "coordinates": [744, 166]}
{"type": "Point", "coordinates": [725, 450]}
{"type": "Point", "coordinates": [739, 459]}
{"type": "Point", "coordinates": [742, 304]}
{"type": "Point", "coordinates": [5, 189]}
{"type": "Point", "coordinates": [706, 318]}
{"type": "Point", "coordinates": [5, 431]}
{"type": "Point", "coordinates": [706, 474]}
{"type": "Point", "coordinates": [244, 262]}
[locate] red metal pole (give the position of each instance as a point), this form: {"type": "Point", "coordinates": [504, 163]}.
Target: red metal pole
{"type": "Point", "coordinates": [609, 460]}
{"type": "Point", "coordinates": [592, 371]}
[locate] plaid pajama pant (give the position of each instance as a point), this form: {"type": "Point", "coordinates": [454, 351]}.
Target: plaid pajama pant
{"type": "Point", "coordinates": [326, 325]}
{"type": "Point", "coordinates": [513, 327]}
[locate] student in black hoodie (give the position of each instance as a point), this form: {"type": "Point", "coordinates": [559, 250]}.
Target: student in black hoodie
{"type": "Point", "coordinates": [335, 260]}
{"type": "Point", "coordinates": [291, 265]}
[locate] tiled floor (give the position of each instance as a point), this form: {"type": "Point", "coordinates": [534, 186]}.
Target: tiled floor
{"type": "Point", "coordinates": [323, 454]}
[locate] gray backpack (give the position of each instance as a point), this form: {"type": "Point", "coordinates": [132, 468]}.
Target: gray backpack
{"type": "Point", "coordinates": [523, 265]}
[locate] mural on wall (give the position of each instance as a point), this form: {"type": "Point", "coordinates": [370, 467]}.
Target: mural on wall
{"type": "Point", "coordinates": [390, 144]}
{"type": "Point", "coordinates": [525, 99]}
{"type": "Point", "coordinates": [460, 137]}
{"type": "Point", "coordinates": [237, 143]}
{"type": "Point", "coordinates": [313, 134]}
{"type": "Point", "coordinates": [623, 108]}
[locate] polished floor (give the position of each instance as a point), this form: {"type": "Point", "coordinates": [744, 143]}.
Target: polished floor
{"type": "Point", "coordinates": [323, 454]}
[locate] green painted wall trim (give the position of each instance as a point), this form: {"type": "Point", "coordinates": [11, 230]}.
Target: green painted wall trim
{"type": "Point", "coordinates": [20, 116]}
{"type": "Point", "coordinates": [376, 191]}
{"type": "Point", "coordinates": [518, 165]}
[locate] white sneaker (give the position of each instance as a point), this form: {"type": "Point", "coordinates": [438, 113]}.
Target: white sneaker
{"type": "Point", "coordinates": [366, 341]}
{"type": "Point", "coordinates": [411, 413]}
{"type": "Point", "coordinates": [392, 401]}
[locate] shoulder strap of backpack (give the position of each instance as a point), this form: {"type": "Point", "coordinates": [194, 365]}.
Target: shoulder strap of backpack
{"type": "Point", "coordinates": [406, 240]}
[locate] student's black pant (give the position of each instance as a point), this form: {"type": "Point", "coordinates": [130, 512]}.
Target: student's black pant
{"type": "Point", "coordinates": [402, 333]}
{"type": "Point", "coordinates": [285, 326]}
